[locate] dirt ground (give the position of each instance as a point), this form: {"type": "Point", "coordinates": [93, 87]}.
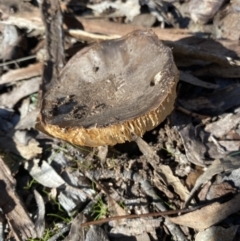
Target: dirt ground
{"type": "Point", "coordinates": [131, 162]}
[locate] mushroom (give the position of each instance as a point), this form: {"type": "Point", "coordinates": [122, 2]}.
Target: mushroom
{"type": "Point", "coordinates": [111, 91]}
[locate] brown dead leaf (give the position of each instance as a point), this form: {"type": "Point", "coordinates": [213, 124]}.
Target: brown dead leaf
{"type": "Point", "coordinates": [208, 215]}
{"type": "Point", "coordinates": [193, 176]}
{"type": "Point", "coordinates": [21, 74]}
{"type": "Point", "coordinates": [219, 190]}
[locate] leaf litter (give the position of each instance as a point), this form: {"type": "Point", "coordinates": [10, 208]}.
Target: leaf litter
{"type": "Point", "coordinates": [189, 162]}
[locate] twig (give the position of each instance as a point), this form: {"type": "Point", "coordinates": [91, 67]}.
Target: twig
{"type": "Point", "coordinates": [83, 35]}
{"type": "Point", "coordinates": [18, 60]}
{"type": "Point", "coordinates": [190, 113]}
{"type": "Point", "coordinates": [144, 215]}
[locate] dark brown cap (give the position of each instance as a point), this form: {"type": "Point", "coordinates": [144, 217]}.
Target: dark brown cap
{"type": "Point", "coordinates": [111, 90]}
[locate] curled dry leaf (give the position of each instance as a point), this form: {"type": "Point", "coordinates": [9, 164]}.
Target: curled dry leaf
{"type": "Point", "coordinates": [40, 220]}
{"type": "Point", "coordinates": [99, 107]}
{"type": "Point", "coordinates": [189, 78]}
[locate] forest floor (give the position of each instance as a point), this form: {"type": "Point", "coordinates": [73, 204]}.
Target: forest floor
{"type": "Point", "coordinates": [180, 181]}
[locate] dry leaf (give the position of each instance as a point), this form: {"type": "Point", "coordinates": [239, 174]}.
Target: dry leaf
{"type": "Point", "coordinates": [194, 148]}
{"type": "Point", "coordinates": [217, 233]}
{"type": "Point", "coordinates": [173, 181]}
{"type": "Point", "coordinates": [191, 79]}
{"type": "Point", "coordinates": [96, 233]}
{"type": "Point", "coordinates": [115, 210]}
{"type": "Point", "coordinates": [208, 215]}
{"type": "Point", "coordinates": [127, 8]}
{"type": "Point", "coordinates": [76, 233]}
{"type": "Point", "coordinates": [215, 103]}
{"type": "Point", "coordinates": [203, 10]}
{"type": "Point", "coordinates": [30, 150]}
{"type": "Point", "coordinates": [40, 220]}
{"type": "Point", "coordinates": [224, 124]}
{"type": "Point", "coordinates": [44, 174]}
{"type": "Point", "coordinates": [21, 74]}
{"type": "Point", "coordinates": [24, 89]}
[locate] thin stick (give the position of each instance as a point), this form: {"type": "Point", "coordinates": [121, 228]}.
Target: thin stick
{"type": "Point", "coordinates": [18, 60]}
{"type": "Point", "coordinates": [185, 111]}
{"type": "Point", "coordinates": [144, 215]}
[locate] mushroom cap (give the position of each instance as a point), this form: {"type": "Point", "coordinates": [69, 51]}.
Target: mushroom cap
{"type": "Point", "coordinates": [111, 90]}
